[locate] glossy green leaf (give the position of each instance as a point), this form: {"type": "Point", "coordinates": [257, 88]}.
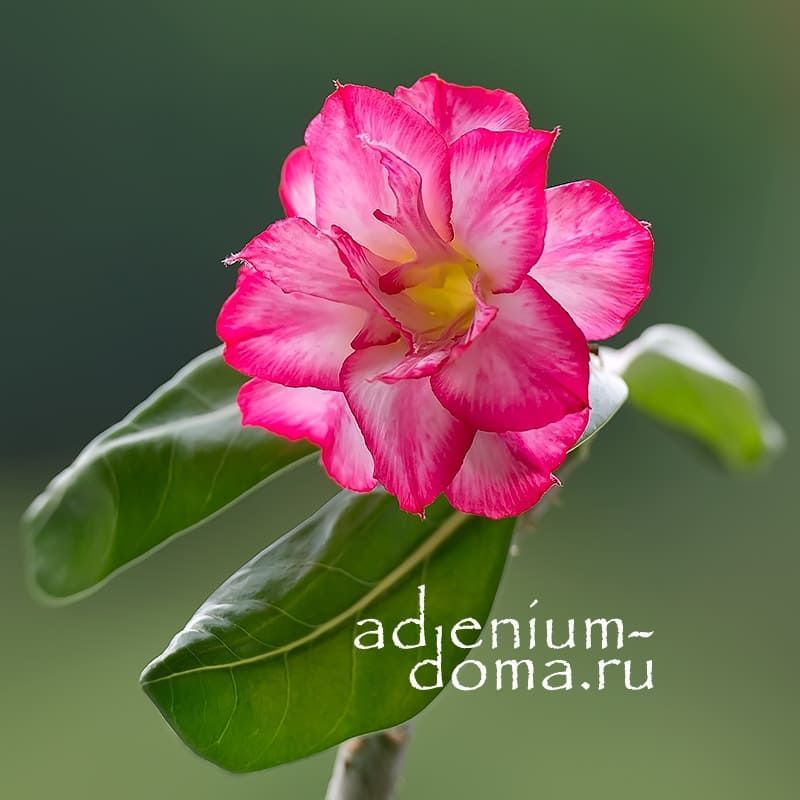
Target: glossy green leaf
{"type": "Point", "coordinates": [677, 378]}
{"type": "Point", "coordinates": [174, 461]}
{"type": "Point", "coordinates": [266, 671]}
{"type": "Point", "coordinates": [607, 395]}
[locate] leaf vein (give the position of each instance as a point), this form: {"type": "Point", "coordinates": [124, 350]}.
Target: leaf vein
{"type": "Point", "coordinates": [429, 546]}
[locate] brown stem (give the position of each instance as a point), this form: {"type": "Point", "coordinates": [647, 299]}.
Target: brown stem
{"type": "Point", "coordinates": [367, 767]}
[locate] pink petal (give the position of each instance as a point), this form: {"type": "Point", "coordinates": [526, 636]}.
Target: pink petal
{"type": "Point", "coordinates": [350, 182]}
{"type": "Point", "coordinates": [596, 259]}
{"type": "Point", "coordinates": [377, 330]}
{"type": "Point", "coordinates": [294, 339]}
{"type": "Point", "coordinates": [417, 365]}
{"type": "Point", "coordinates": [296, 189]}
{"type": "Point", "coordinates": [417, 445]}
{"type": "Point", "coordinates": [345, 454]}
{"type": "Point", "coordinates": [528, 368]}
{"type": "Point", "coordinates": [410, 219]}
{"type": "Point", "coordinates": [499, 214]}
{"type": "Point", "coordinates": [322, 417]}
{"type": "Point", "coordinates": [299, 258]}
{"type": "Point", "coordinates": [545, 448]}
{"type": "Point", "coordinates": [454, 110]}
{"type": "Point", "coordinates": [291, 412]}
{"type": "Point", "coordinates": [505, 474]}
{"type": "Point", "coordinates": [493, 483]}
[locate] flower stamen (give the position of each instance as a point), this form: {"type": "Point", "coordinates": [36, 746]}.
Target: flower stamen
{"type": "Point", "coordinates": [448, 298]}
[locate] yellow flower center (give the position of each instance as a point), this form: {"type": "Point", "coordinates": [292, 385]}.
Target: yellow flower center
{"type": "Point", "coordinates": [447, 297]}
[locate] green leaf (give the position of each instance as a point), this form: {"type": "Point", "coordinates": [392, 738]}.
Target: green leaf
{"type": "Point", "coordinates": [607, 395]}
{"type": "Point", "coordinates": [266, 671]}
{"type": "Point", "coordinates": [678, 379]}
{"type": "Point", "coordinates": [174, 461]}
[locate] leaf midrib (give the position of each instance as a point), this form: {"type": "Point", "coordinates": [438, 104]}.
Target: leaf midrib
{"type": "Point", "coordinates": [418, 556]}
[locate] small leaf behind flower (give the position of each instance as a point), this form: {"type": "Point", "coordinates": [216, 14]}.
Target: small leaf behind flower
{"type": "Point", "coordinates": [677, 378]}
{"type": "Point", "coordinates": [265, 672]}
{"type": "Point", "coordinates": [176, 460]}
{"type": "Point", "coordinates": [607, 395]}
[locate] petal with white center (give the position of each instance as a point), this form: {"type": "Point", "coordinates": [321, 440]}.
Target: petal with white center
{"type": "Point", "coordinates": [322, 417]}
{"type": "Point", "coordinates": [294, 339]}
{"type": "Point", "coordinates": [417, 445]}
{"type": "Point", "coordinates": [504, 475]}
{"type": "Point", "coordinates": [528, 368]}
{"type": "Point", "coordinates": [545, 448]}
{"type": "Point", "coordinates": [499, 213]}
{"type": "Point", "coordinates": [455, 110]}
{"type": "Point", "coordinates": [299, 258]}
{"type": "Point", "coordinates": [596, 259]}
{"type": "Point", "coordinates": [410, 219]}
{"type": "Point", "coordinates": [493, 482]}
{"type": "Point", "coordinates": [350, 182]}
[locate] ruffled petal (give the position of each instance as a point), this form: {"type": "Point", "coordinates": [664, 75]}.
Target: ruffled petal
{"type": "Point", "coordinates": [417, 445]}
{"type": "Point", "coordinates": [322, 417]}
{"type": "Point", "coordinates": [349, 181]}
{"type": "Point", "coordinates": [410, 218]}
{"type": "Point", "coordinates": [299, 258]}
{"type": "Point", "coordinates": [294, 339]}
{"type": "Point", "coordinates": [505, 474]}
{"type": "Point", "coordinates": [545, 448]}
{"type": "Point", "coordinates": [345, 455]}
{"type": "Point", "coordinates": [368, 269]}
{"type": "Point", "coordinates": [528, 368]}
{"type": "Point", "coordinates": [596, 259]}
{"type": "Point", "coordinates": [291, 412]}
{"type": "Point", "coordinates": [499, 213]}
{"type": "Point", "coordinates": [377, 330]}
{"type": "Point", "coordinates": [296, 189]}
{"type": "Point", "coordinates": [493, 482]}
{"type": "Point", "coordinates": [420, 364]}
{"type": "Point", "coordinates": [454, 110]}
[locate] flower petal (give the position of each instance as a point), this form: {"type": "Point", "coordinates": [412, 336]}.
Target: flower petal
{"type": "Point", "coordinates": [345, 455]}
{"type": "Point", "coordinates": [322, 417]}
{"type": "Point", "coordinates": [349, 181]}
{"type": "Point", "coordinates": [505, 474]}
{"type": "Point", "coordinates": [420, 364]}
{"type": "Point", "coordinates": [499, 214]}
{"type": "Point", "coordinates": [528, 368]}
{"type": "Point", "coordinates": [289, 411]}
{"type": "Point", "coordinates": [596, 259]}
{"type": "Point", "coordinates": [300, 258]}
{"type": "Point", "coordinates": [417, 445]}
{"type": "Point", "coordinates": [545, 448]}
{"type": "Point", "coordinates": [294, 339]}
{"type": "Point", "coordinates": [454, 110]}
{"type": "Point", "coordinates": [494, 483]}
{"type": "Point", "coordinates": [296, 189]}
{"type": "Point", "coordinates": [377, 330]}
{"type": "Point", "coordinates": [410, 219]}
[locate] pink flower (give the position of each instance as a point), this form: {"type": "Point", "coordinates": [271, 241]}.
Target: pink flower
{"type": "Point", "coordinates": [422, 313]}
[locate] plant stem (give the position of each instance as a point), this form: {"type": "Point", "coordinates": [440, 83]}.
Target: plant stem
{"type": "Point", "coordinates": [367, 767]}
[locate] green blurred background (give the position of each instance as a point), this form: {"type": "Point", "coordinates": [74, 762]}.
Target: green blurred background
{"type": "Point", "coordinates": [142, 143]}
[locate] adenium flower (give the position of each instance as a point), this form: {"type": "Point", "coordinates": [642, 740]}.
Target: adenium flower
{"type": "Point", "coordinates": [422, 314]}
